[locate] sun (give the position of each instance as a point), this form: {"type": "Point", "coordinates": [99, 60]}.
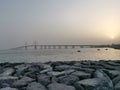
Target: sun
{"type": "Point", "coordinates": [112, 37]}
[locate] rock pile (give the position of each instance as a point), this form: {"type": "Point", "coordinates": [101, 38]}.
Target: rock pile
{"type": "Point", "coordinates": [61, 75]}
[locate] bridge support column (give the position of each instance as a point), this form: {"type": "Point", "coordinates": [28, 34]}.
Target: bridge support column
{"type": "Point", "coordinates": [44, 47]}
{"type": "Point", "coordinates": [59, 47]}
{"type": "Point", "coordinates": [81, 46]}
{"type": "Point", "coordinates": [66, 47]}
{"type": "Point", "coordinates": [41, 47]}
{"type": "Point", "coordinates": [73, 46]}
{"type": "Point", "coordinates": [35, 47]}
{"type": "Point", "coordinates": [49, 47]}
{"type": "Point", "coordinates": [54, 47]}
{"type": "Point", "coordinates": [26, 47]}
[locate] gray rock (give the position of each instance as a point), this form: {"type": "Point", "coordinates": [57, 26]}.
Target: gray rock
{"type": "Point", "coordinates": [87, 70]}
{"type": "Point", "coordinates": [43, 79]}
{"type": "Point", "coordinates": [22, 82]}
{"type": "Point", "coordinates": [8, 88]}
{"type": "Point", "coordinates": [53, 64]}
{"type": "Point", "coordinates": [78, 64]}
{"type": "Point", "coordinates": [35, 86]}
{"type": "Point", "coordinates": [117, 86]}
{"type": "Point", "coordinates": [57, 86]}
{"type": "Point", "coordinates": [100, 74]}
{"type": "Point", "coordinates": [68, 79]}
{"type": "Point", "coordinates": [3, 85]}
{"type": "Point", "coordinates": [35, 68]}
{"type": "Point", "coordinates": [82, 75]}
{"type": "Point", "coordinates": [20, 69]}
{"type": "Point", "coordinates": [31, 74]}
{"type": "Point", "coordinates": [7, 79]}
{"type": "Point", "coordinates": [110, 67]}
{"type": "Point", "coordinates": [1, 69]}
{"type": "Point", "coordinates": [116, 80]}
{"type": "Point", "coordinates": [112, 73]}
{"type": "Point", "coordinates": [46, 66]}
{"type": "Point", "coordinates": [62, 67]}
{"type": "Point", "coordinates": [7, 72]}
{"type": "Point", "coordinates": [88, 84]}
{"type": "Point", "coordinates": [113, 63]}
{"type": "Point", "coordinates": [46, 70]}
{"type": "Point", "coordinates": [92, 84]}
{"type": "Point", "coordinates": [105, 79]}
{"type": "Point", "coordinates": [56, 74]}
{"type": "Point", "coordinates": [70, 71]}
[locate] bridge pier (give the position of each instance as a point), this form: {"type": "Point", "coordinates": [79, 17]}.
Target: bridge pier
{"type": "Point", "coordinates": [54, 47]}
{"type": "Point", "coordinates": [35, 47]}
{"type": "Point", "coordinates": [81, 46]}
{"type": "Point", "coordinates": [59, 47]}
{"type": "Point", "coordinates": [26, 47]}
{"type": "Point", "coordinates": [73, 46]}
{"type": "Point", "coordinates": [45, 47]}
{"type": "Point", "coordinates": [49, 47]}
{"type": "Point", "coordinates": [66, 47]}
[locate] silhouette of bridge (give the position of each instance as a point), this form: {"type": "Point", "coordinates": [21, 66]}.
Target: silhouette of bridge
{"type": "Point", "coordinates": [35, 46]}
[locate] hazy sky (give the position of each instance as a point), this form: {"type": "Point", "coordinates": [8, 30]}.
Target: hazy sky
{"type": "Point", "coordinates": [59, 22]}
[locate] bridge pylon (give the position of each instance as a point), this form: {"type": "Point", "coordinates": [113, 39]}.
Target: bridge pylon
{"type": "Point", "coordinates": [26, 46]}
{"type": "Point", "coordinates": [35, 45]}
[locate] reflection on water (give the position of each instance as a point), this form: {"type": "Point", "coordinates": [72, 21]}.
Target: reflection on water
{"type": "Point", "coordinates": [43, 55]}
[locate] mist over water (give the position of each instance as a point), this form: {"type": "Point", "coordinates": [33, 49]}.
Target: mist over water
{"type": "Point", "coordinates": [43, 55]}
{"type": "Point", "coordinates": [59, 22]}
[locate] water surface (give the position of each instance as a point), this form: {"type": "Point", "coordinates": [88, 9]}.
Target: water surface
{"type": "Point", "coordinates": [43, 55]}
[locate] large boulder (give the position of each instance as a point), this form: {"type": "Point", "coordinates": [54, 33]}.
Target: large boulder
{"type": "Point", "coordinates": [57, 86]}
{"type": "Point", "coordinates": [117, 86]}
{"type": "Point", "coordinates": [57, 73]}
{"type": "Point", "coordinates": [113, 63]}
{"type": "Point", "coordinates": [7, 80]}
{"type": "Point", "coordinates": [22, 82]}
{"type": "Point", "coordinates": [7, 72]}
{"type": "Point", "coordinates": [100, 82]}
{"type": "Point", "coordinates": [116, 80]}
{"type": "Point", "coordinates": [8, 88]}
{"type": "Point", "coordinates": [112, 73]}
{"type": "Point", "coordinates": [21, 69]}
{"type": "Point", "coordinates": [87, 70]}
{"type": "Point", "coordinates": [58, 63]}
{"type": "Point", "coordinates": [43, 79]}
{"type": "Point", "coordinates": [35, 86]}
{"type": "Point", "coordinates": [62, 67]}
{"type": "Point", "coordinates": [87, 84]}
{"type": "Point", "coordinates": [46, 70]}
{"type": "Point", "coordinates": [68, 79]}
{"type": "Point", "coordinates": [35, 68]}
{"type": "Point", "coordinates": [107, 82]}
{"type": "Point", "coordinates": [92, 84]}
{"type": "Point", "coordinates": [82, 75]}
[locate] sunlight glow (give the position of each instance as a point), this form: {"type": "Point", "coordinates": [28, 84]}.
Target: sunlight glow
{"type": "Point", "coordinates": [110, 27]}
{"type": "Point", "coordinates": [112, 37]}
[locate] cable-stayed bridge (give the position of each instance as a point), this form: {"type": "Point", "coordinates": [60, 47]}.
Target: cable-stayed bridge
{"type": "Point", "coordinates": [36, 46]}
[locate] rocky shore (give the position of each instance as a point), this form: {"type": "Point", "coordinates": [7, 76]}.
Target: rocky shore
{"type": "Point", "coordinates": [61, 75]}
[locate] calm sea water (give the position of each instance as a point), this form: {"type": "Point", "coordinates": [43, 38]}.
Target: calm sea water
{"type": "Point", "coordinates": [43, 55]}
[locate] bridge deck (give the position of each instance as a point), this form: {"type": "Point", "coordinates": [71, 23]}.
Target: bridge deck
{"type": "Point", "coordinates": [53, 46]}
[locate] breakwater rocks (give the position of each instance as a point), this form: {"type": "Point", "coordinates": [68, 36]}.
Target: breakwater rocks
{"type": "Point", "coordinates": [61, 75]}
